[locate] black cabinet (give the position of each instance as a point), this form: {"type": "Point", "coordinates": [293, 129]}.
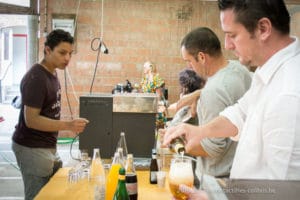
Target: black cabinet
{"type": "Point", "coordinates": [98, 132]}
{"type": "Point", "coordinates": [105, 127]}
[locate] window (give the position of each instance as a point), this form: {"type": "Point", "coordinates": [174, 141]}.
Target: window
{"type": "Point", "coordinates": [6, 38]}
{"type": "Point", "coordinates": [25, 3]}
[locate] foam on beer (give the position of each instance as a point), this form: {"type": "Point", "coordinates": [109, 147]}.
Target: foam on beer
{"type": "Point", "coordinates": [181, 173]}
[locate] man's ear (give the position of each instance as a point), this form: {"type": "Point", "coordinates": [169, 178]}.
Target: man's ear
{"type": "Point", "coordinates": [47, 50]}
{"type": "Point", "coordinates": [201, 57]}
{"type": "Point", "coordinates": [264, 28]}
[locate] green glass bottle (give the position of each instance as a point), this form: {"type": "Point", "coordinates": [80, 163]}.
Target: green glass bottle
{"type": "Point", "coordinates": [121, 191]}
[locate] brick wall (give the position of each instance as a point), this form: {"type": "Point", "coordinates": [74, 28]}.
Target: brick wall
{"type": "Point", "coordinates": [134, 31]}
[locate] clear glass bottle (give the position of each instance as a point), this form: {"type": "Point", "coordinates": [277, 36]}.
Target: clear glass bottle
{"type": "Point", "coordinates": [121, 156]}
{"type": "Point", "coordinates": [153, 168]}
{"type": "Point", "coordinates": [121, 191]}
{"type": "Point", "coordinates": [122, 144]}
{"type": "Point", "coordinates": [98, 175]}
{"type": "Point", "coordinates": [131, 178]}
{"type": "Point", "coordinates": [112, 177]}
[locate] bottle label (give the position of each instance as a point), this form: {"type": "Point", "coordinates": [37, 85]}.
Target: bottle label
{"type": "Point", "coordinates": [153, 176]}
{"type": "Point", "coordinates": [131, 188]}
{"type": "Point", "coordinates": [121, 177]}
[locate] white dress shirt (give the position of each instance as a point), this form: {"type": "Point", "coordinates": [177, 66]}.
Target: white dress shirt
{"type": "Point", "coordinates": [268, 120]}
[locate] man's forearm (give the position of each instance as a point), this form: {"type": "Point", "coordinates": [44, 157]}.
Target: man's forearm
{"type": "Point", "coordinates": [34, 120]}
{"type": "Point", "coordinates": [46, 124]}
{"type": "Point", "coordinates": [219, 127]}
{"type": "Point", "coordinates": [188, 99]}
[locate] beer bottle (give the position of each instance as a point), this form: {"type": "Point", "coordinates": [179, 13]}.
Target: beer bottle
{"type": "Point", "coordinates": [153, 168]}
{"type": "Point", "coordinates": [131, 178]}
{"type": "Point", "coordinates": [121, 191]}
{"type": "Point", "coordinates": [177, 145]}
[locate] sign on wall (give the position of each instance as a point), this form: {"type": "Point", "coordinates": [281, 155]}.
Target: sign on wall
{"type": "Point", "coordinates": [64, 24]}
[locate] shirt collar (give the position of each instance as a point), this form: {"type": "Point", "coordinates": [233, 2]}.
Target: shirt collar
{"type": "Point", "coordinates": [266, 72]}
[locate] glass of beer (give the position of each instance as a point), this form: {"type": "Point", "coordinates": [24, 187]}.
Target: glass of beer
{"type": "Point", "coordinates": [181, 172]}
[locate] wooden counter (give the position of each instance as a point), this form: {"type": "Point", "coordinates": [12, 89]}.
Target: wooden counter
{"type": "Point", "coordinates": [59, 188]}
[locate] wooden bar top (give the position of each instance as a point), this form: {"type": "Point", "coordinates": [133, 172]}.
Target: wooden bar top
{"type": "Point", "coordinates": [59, 188]}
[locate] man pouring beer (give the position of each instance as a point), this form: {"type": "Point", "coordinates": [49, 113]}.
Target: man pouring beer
{"type": "Point", "coordinates": [266, 120]}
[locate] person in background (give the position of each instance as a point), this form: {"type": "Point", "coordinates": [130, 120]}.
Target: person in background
{"type": "Point", "coordinates": [227, 81]}
{"type": "Point", "coordinates": [153, 83]}
{"type": "Point", "coordinates": [266, 120]}
{"type": "Point", "coordinates": [189, 82]}
{"type": "Point", "coordinates": [35, 136]}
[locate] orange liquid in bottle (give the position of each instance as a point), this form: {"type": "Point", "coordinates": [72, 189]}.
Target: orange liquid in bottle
{"type": "Point", "coordinates": [96, 168]}
{"type": "Point", "coordinates": [112, 181]}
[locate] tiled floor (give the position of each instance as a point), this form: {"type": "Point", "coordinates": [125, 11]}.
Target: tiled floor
{"type": "Point", "coordinates": [11, 185]}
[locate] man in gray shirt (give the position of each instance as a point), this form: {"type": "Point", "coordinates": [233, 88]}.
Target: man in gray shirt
{"type": "Point", "coordinates": [227, 81]}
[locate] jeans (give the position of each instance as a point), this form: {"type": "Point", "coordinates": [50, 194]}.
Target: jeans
{"type": "Point", "coordinates": [37, 166]}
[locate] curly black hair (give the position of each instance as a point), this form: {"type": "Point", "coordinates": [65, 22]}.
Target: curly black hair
{"type": "Point", "coordinates": [57, 36]}
{"type": "Point", "coordinates": [190, 81]}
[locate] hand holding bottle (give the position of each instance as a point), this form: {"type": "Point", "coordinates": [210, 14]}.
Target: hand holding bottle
{"type": "Point", "coordinates": [192, 136]}
{"type": "Point", "coordinates": [176, 145]}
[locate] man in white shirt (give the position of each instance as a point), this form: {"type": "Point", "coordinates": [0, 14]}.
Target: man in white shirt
{"type": "Point", "coordinates": [266, 120]}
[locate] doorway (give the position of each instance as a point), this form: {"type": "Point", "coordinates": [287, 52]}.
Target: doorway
{"type": "Point", "coordinates": [13, 55]}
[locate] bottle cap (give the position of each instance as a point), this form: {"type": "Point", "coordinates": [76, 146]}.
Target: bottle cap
{"type": "Point", "coordinates": [129, 155]}
{"type": "Point", "coordinates": [122, 171]}
{"type": "Point", "coordinates": [153, 151]}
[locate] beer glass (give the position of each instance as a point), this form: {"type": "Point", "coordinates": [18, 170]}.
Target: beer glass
{"type": "Point", "coordinates": [181, 172]}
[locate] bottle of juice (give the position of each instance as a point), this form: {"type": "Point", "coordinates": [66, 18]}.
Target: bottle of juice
{"type": "Point", "coordinates": [112, 177]}
{"type": "Point", "coordinates": [98, 175]}
{"type": "Point", "coordinates": [97, 166]}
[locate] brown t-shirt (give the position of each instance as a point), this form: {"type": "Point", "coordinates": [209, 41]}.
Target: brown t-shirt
{"type": "Point", "coordinates": [39, 89]}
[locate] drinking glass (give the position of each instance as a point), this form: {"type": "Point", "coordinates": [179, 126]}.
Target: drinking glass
{"type": "Point", "coordinates": [181, 172]}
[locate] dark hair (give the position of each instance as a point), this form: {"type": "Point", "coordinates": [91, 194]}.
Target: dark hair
{"type": "Point", "coordinates": [190, 81]}
{"type": "Point", "coordinates": [57, 36]}
{"type": "Point", "coordinates": [249, 12]}
{"type": "Point", "coordinates": [204, 40]}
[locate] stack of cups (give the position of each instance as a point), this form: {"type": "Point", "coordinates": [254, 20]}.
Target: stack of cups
{"type": "Point", "coordinates": [161, 174]}
{"type": "Point", "coordinates": [161, 178]}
